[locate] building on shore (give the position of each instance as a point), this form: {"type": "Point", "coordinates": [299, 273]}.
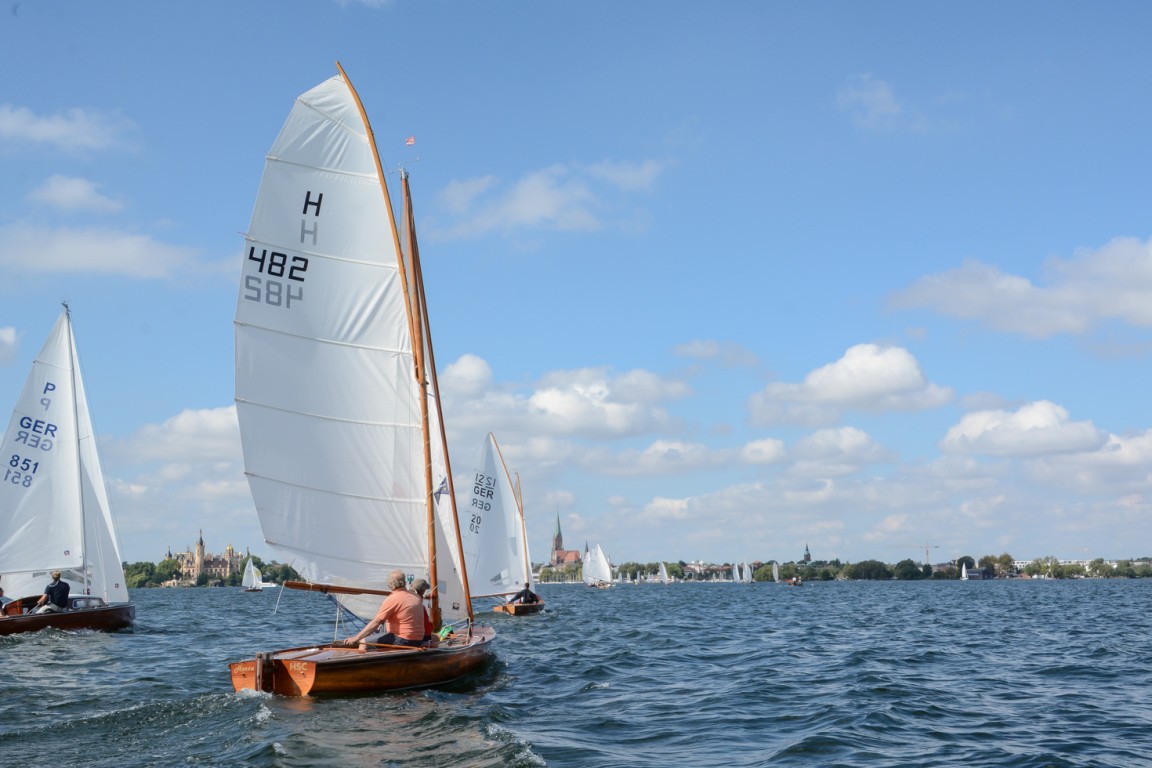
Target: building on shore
{"type": "Point", "coordinates": [561, 556]}
{"type": "Point", "coordinates": [197, 561]}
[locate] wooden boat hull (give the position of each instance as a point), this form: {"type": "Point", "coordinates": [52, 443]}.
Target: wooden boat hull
{"type": "Point", "coordinates": [109, 618]}
{"type": "Point", "coordinates": [519, 609]}
{"type": "Point", "coordinates": [341, 670]}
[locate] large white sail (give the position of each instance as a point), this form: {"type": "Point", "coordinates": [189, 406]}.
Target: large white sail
{"type": "Point", "coordinates": [327, 392]}
{"type": "Point", "coordinates": [54, 509]}
{"type": "Point", "coordinates": [492, 529]}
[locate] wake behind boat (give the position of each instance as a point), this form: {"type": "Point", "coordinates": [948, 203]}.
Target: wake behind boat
{"type": "Point", "coordinates": [339, 406]}
{"type": "Point", "coordinates": [54, 510]}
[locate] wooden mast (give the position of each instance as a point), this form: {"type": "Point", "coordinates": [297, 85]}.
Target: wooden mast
{"type": "Point", "coordinates": [414, 332]}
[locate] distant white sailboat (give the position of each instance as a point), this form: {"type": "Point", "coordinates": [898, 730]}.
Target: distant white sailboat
{"type": "Point", "coordinates": [775, 572]}
{"type": "Point", "coordinates": [597, 569]}
{"type": "Point", "coordinates": [252, 580]}
{"type": "Point", "coordinates": [664, 573]}
{"type": "Point", "coordinates": [963, 571]}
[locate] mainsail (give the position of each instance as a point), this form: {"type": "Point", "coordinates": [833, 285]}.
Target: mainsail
{"type": "Point", "coordinates": [54, 509]}
{"type": "Point", "coordinates": [343, 448]}
{"type": "Point", "coordinates": [492, 529]}
{"type": "Point", "coordinates": [252, 579]}
{"type": "Point", "coordinates": [597, 568]}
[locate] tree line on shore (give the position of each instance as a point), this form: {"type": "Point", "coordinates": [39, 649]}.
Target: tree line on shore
{"type": "Point", "coordinates": [987, 567]}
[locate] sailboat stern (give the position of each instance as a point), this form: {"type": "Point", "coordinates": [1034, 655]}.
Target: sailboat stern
{"type": "Point", "coordinates": [275, 672]}
{"type": "Point", "coordinates": [341, 670]}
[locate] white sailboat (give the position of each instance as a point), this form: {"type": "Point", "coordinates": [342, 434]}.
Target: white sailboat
{"type": "Point", "coordinates": [251, 581]}
{"type": "Point", "coordinates": [339, 404]}
{"type": "Point", "coordinates": [597, 569]}
{"type": "Point", "coordinates": [745, 573]}
{"type": "Point", "coordinates": [775, 572]}
{"type": "Point", "coordinates": [493, 536]}
{"type": "Point", "coordinates": [664, 573]}
{"type": "Point", "coordinates": [735, 573]}
{"type": "Point", "coordinates": [963, 571]}
{"type": "Point", "coordinates": [54, 509]}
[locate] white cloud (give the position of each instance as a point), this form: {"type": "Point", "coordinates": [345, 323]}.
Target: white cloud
{"type": "Point", "coordinates": [1122, 465]}
{"type": "Point", "coordinates": [629, 176]}
{"type": "Point", "coordinates": [586, 402]}
{"type": "Point", "coordinates": [1036, 428]}
{"type": "Point", "coordinates": [9, 344]}
{"type": "Point", "coordinates": [1112, 282]}
{"type": "Point", "coordinates": [867, 377]}
{"type": "Point", "coordinates": [192, 436]}
{"type": "Point", "coordinates": [469, 376]}
{"type": "Point", "coordinates": [766, 451]}
{"type": "Point", "coordinates": [69, 193]}
{"type": "Point", "coordinates": [71, 130]}
{"type": "Point", "coordinates": [836, 452]}
{"type": "Point", "coordinates": [565, 198]}
{"type": "Point", "coordinates": [96, 251]}
{"type": "Point", "coordinates": [665, 457]}
{"type": "Point", "coordinates": [873, 105]}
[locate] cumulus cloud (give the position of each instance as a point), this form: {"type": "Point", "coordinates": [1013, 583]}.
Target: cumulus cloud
{"type": "Point", "coordinates": [665, 457]}
{"type": "Point", "coordinates": [566, 198]}
{"type": "Point", "coordinates": [585, 402]}
{"type": "Point", "coordinates": [1112, 282]}
{"type": "Point", "coordinates": [468, 376]}
{"type": "Point", "coordinates": [766, 451]}
{"type": "Point", "coordinates": [191, 436]}
{"type": "Point", "coordinates": [836, 452]}
{"type": "Point", "coordinates": [74, 129]}
{"type": "Point", "coordinates": [93, 251]}
{"type": "Point", "coordinates": [1036, 428]}
{"type": "Point", "coordinates": [1123, 464]}
{"type": "Point", "coordinates": [868, 377]}
{"type": "Point", "coordinates": [872, 105]}
{"type": "Point", "coordinates": [73, 194]}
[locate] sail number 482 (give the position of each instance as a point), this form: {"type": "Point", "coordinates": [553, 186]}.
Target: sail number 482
{"type": "Point", "coordinates": [272, 285]}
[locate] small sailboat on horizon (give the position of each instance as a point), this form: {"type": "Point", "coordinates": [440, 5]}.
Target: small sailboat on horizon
{"type": "Point", "coordinates": [597, 568]}
{"type": "Point", "coordinates": [251, 581]}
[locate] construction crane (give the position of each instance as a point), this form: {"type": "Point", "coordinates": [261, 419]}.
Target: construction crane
{"type": "Point", "coordinates": [926, 547]}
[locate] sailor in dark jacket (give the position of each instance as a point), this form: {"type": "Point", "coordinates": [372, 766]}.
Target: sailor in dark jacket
{"type": "Point", "coordinates": [55, 597]}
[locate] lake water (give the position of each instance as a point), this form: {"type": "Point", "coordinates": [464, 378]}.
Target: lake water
{"type": "Point", "coordinates": [1021, 673]}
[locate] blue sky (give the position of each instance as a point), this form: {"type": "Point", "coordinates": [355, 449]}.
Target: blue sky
{"type": "Point", "coordinates": [724, 279]}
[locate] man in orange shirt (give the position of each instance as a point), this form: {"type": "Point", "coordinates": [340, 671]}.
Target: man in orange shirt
{"type": "Point", "coordinates": [401, 615]}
